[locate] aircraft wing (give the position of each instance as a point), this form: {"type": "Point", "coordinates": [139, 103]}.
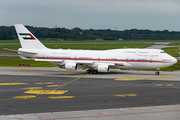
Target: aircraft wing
{"type": "Point", "coordinates": [49, 60]}
{"type": "Point", "coordinates": [85, 62]}
{"type": "Point", "coordinates": [122, 64]}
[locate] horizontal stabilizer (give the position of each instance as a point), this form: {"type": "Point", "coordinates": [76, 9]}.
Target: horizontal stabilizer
{"type": "Point", "coordinates": [26, 52]}
{"type": "Point", "coordinates": [10, 49]}
{"type": "Point", "coordinates": [25, 58]}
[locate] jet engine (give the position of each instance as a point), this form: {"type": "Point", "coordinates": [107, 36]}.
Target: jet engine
{"type": "Point", "coordinates": [103, 68]}
{"type": "Point", "coordinates": [71, 66]}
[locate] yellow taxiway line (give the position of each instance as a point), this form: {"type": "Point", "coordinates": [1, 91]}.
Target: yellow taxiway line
{"type": "Point", "coordinates": [134, 79]}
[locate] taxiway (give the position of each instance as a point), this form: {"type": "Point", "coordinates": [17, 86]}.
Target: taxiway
{"type": "Point", "coordinates": [53, 94]}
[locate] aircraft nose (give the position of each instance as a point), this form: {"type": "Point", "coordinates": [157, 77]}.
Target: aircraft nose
{"type": "Point", "coordinates": [174, 60]}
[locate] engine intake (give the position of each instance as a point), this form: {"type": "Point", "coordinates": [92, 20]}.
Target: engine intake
{"type": "Point", "coordinates": [103, 68]}
{"type": "Point", "coordinates": [71, 66]}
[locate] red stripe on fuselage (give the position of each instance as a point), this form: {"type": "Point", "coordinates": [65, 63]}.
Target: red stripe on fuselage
{"type": "Point", "coordinates": [108, 60]}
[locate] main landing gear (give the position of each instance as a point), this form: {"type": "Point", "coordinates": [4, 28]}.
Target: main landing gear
{"type": "Point", "coordinates": [157, 72]}
{"type": "Point", "coordinates": [92, 71]}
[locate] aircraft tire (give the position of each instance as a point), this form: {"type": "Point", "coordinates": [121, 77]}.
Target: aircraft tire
{"type": "Point", "coordinates": [92, 71]}
{"type": "Point", "coordinates": [88, 71]}
{"type": "Point", "coordinates": [156, 73]}
{"type": "Point", "coordinates": [95, 71]}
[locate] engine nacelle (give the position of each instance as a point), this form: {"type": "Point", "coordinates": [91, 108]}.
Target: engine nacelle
{"type": "Point", "coordinates": [71, 66]}
{"type": "Point", "coordinates": [103, 68]}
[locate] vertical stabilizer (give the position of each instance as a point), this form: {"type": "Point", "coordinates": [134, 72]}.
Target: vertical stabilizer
{"type": "Point", "coordinates": [27, 39]}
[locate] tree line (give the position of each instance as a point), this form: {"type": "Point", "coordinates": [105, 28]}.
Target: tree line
{"type": "Point", "coordinates": [8, 33]}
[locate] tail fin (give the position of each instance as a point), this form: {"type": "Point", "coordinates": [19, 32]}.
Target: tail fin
{"type": "Point", "coordinates": [27, 39]}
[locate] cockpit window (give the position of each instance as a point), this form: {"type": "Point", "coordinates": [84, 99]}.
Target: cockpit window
{"type": "Point", "coordinates": [163, 52]}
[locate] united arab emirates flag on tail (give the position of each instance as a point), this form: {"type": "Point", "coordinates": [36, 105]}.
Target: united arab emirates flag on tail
{"type": "Point", "coordinates": [27, 36]}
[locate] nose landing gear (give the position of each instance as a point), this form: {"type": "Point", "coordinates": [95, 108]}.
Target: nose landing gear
{"type": "Point", "coordinates": [157, 72]}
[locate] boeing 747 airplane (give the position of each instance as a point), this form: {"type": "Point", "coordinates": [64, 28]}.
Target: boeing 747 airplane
{"type": "Point", "coordinates": [93, 60]}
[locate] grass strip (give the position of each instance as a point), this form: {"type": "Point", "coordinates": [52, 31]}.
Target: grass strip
{"type": "Point", "coordinates": [15, 61]}
{"type": "Point", "coordinates": [173, 51]}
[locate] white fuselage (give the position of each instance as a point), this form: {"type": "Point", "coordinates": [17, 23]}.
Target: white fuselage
{"type": "Point", "coordinates": [116, 58]}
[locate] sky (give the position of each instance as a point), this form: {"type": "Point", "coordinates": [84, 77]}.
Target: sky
{"type": "Point", "coordinates": [95, 14]}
